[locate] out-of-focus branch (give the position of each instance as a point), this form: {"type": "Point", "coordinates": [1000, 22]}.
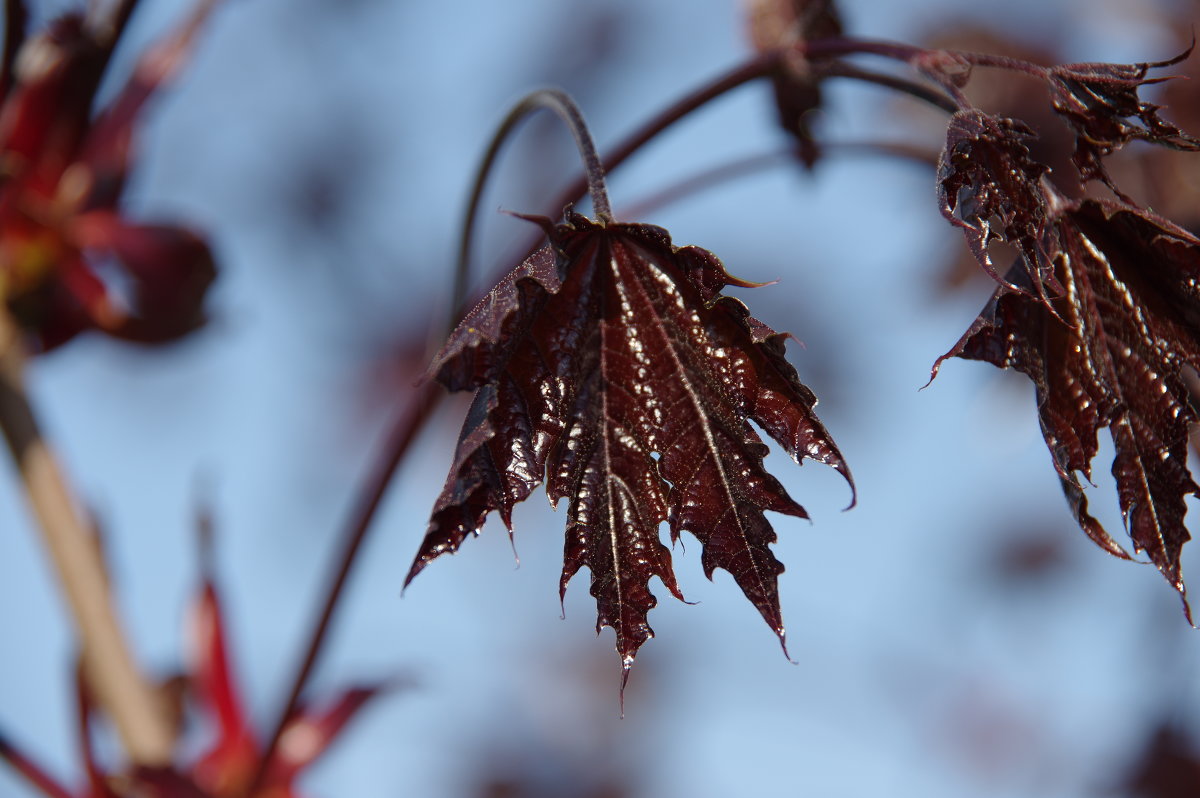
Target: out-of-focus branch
{"type": "Point", "coordinates": [126, 697]}
{"type": "Point", "coordinates": [31, 771]}
{"type": "Point", "coordinates": [767, 161]}
{"type": "Point", "coordinates": [15, 19]}
{"type": "Point", "coordinates": [403, 432]}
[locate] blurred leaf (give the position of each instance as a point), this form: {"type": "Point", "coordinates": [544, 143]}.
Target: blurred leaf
{"type": "Point", "coordinates": [63, 174]}
{"type": "Point", "coordinates": [783, 24]}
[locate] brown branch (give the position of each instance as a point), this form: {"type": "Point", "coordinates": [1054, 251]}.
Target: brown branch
{"type": "Point", "coordinates": [411, 422]}
{"type": "Point", "coordinates": [762, 162]}
{"type": "Point", "coordinates": [121, 690]}
{"type": "Point", "coordinates": [928, 94]}
{"type": "Point", "coordinates": [37, 776]}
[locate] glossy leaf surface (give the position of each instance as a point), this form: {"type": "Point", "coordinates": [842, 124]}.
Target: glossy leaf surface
{"type": "Point", "coordinates": [1110, 352]}
{"type": "Point", "coordinates": [988, 186]}
{"type": "Point", "coordinates": [611, 366]}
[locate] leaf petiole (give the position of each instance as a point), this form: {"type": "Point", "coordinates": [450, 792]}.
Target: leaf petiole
{"type": "Point", "coordinates": [560, 103]}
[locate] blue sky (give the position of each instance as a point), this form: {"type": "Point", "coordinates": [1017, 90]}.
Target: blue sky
{"type": "Point", "coordinates": [327, 145]}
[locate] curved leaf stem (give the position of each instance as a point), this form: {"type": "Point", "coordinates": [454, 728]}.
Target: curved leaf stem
{"type": "Point", "coordinates": [127, 698]}
{"type": "Point", "coordinates": [560, 103]}
{"type": "Point", "coordinates": [758, 67]}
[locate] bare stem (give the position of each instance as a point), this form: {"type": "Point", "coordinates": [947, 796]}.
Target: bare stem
{"type": "Point", "coordinates": [762, 162]}
{"type": "Point", "coordinates": [760, 66]}
{"type": "Point", "coordinates": [411, 421]}
{"type": "Point", "coordinates": [928, 94]}
{"type": "Point", "coordinates": [126, 696]}
{"type": "Point", "coordinates": [35, 774]}
{"type": "Point", "coordinates": [838, 46]}
{"type": "Point", "coordinates": [1004, 62]}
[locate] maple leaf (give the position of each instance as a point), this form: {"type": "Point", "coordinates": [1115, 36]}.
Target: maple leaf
{"type": "Point", "coordinates": [1101, 104]}
{"type": "Point", "coordinates": [610, 364]}
{"type": "Point", "coordinates": [1108, 352]}
{"type": "Point", "coordinates": [228, 766]}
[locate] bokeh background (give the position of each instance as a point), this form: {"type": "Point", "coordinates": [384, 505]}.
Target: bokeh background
{"type": "Point", "coordinates": [954, 634]}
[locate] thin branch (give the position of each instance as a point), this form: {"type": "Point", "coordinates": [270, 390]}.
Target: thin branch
{"type": "Point", "coordinates": [922, 58]}
{"type": "Point", "coordinates": [900, 150]}
{"type": "Point", "coordinates": [709, 178]}
{"type": "Point", "coordinates": [841, 69]}
{"type": "Point", "coordinates": [754, 164]}
{"type": "Point", "coordinates": [31, 771]}
{"type": "Point", "coordinates": [1004, 62]}
{"type": "Point", "coordinates": [127, 698]}
{"type": "Point", "coordinates": [837, 46]}
{"type": "Point", "coordinates": [398, 442]}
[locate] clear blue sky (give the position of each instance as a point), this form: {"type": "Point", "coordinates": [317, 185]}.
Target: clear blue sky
{"type": "Point", "coordinates": [327, 145]}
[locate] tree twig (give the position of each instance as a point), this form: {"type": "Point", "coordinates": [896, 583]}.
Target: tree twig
{"type": "Point", "coordinates": [411, 421]}
{"type": "Point", "coordinates": [128, 700]}
{"type": "Point", "coordinates": [37, 776]}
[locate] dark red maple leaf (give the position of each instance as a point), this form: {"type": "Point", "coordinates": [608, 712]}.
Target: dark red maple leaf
{"type": "Point", "coordinates": [1108, 351]}
{"type": "Point", "coordinates": [610, 363]}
